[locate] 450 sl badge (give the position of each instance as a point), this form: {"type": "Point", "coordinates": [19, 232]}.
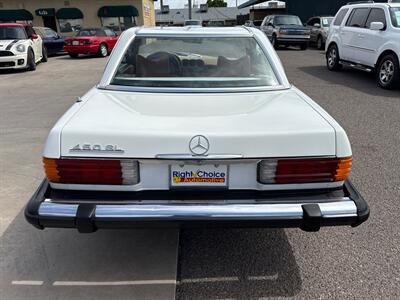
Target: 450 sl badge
{"type": "Point", "coordinates": [96, 148]}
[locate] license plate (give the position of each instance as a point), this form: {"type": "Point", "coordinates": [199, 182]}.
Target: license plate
{"type": "Point", "coordinates": [75, 43]}
{"type": "Point", "coordinates": [199, 175]}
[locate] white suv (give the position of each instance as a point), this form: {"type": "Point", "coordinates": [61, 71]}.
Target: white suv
{"type": "Point", "coordinates": [366, 36]}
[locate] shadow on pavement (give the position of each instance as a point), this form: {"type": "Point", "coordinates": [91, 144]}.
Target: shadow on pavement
{"type": "Point", "coordinates": [236, 263]}
{"type": "Point", "coordinates": [351, 78]}
{"type": "Point", "coordinates": [65, 255]}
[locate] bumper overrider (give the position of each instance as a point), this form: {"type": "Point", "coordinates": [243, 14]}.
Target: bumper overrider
{"type": "Point", "coordinates": [88, 211]}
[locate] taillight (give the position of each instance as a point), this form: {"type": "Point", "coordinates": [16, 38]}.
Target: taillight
{"type": "Point", "coordinates": [303, 170]}
{"type": "Point", "coordinates": [92, 171]}
{"type": "Point", "coordinates": [68, 42]}
{"type": "Point", "coordinates": [87, 41]}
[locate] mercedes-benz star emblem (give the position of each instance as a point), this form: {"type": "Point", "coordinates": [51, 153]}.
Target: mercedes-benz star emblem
{"type": "Point", "coordinates": [199, 145]}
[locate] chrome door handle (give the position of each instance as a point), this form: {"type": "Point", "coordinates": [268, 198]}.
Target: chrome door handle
{"type": "Point", "coordinates": [361, 36]}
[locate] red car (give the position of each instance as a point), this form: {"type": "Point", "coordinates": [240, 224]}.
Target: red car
{"type": "Point", "coordinates": [98, 41]}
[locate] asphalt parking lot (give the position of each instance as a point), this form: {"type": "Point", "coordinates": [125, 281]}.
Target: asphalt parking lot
{"type": "Point", "coordinates": [335, 263]}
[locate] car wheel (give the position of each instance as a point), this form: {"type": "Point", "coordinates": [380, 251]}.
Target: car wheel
{"type": "Point", "coordinates": [304, 46]}
{"type": "Point", "coordinates": [103, 51]}
{"type": "Point", "coordinates": [320, 43]}
{"type": "Point", "coordinates": [388, 72]}
{"type": "Point", "coordinates": [274, 42]}
{"type": "Point", "coordinates": [333, 59]}
{"type": "Point", "coordinates": [31, 64]}
{"type": "Point", "coordinates": [44, 54]}
{"type": "Point", "coordinates": [73, 55]}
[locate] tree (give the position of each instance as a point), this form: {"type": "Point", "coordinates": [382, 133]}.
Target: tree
{"type": "Point", "coordinates": [216, 3]}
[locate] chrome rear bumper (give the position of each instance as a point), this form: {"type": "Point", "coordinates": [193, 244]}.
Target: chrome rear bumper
{"type": "Point", "coordinates": [308, 214]}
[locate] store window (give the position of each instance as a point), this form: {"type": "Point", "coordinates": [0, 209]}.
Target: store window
{"type": "Point", "coordinates": [70, 19]}
{"type": "Point", "coordinates": [118, 18]}
{"type": "Point", "coordinates": [118, 23]}
{"type": "Point", "coordinates": [70, 25]}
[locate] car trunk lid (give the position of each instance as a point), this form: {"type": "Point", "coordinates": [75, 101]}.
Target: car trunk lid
{"type": "Point", "coordinates": [146, 125]}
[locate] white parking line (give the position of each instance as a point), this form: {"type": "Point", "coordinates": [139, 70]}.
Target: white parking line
{"type": "Point", "coordinates": [271, 277]}
{"type": "Point", "coordinates": [27, 282]}
{"type": "Point", "coordinates": [209, 279]}
{"type": "Point", "coordinates": [113, 283]}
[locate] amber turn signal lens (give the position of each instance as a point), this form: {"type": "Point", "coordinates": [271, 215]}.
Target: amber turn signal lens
{"type": "Point", "coordinates": [343, 168]}
{"type": "Point", "coordinates": [50, 168]}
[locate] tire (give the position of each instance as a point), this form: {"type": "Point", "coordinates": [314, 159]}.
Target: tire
{"type": "Point", "coordinates": [73, 55]}
{"type": "Point", "coordinates": [333, 58]}
{"type": "Point", "coordinates": [304, 46]}
{"type": "Point", "coordinates": [31, 64]}
{"type": "Point", "coordinates": [103, 51]}
{"type": "Point", "coordinates": [388, 72]}
{"type": "Point", "coordinates": [320, 43]}
{"type": "Point", "coordinates": [274, 41]}
{"type": "Point", "coordinates": [44, 54]}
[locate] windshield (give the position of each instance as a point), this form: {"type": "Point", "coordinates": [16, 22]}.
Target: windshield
{"type": "Point", "coordinates": [287, 20]}
{"type": "Point", "coordinates": [12, 33]}
{"type": "Point", "coordinates": [200, 62]}
{"type": "Point", "coordinates": [395, 14]}
{"type": "Point", "coordinates": [326, 22]}
{"type": "Point", "coordinates": [192, 22]}
{"type": "Point", "coordinates": [87, 32]}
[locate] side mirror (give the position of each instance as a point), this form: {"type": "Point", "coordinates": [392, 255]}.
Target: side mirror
{"type": "Point", "coordinates": [34, 36]}
{"type": "Point", "coordinates": [377, 26]}
{"type": "Point", "coordinates": [270, 24]}
{"type": "Point", "coordinates": [317, 25]}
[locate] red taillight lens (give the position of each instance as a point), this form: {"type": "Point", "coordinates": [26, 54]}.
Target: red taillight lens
{"type": "Point", "coordinates": [68, 42]}
{"type": "Point", "coordinates": [304, 170]}
{"type": "Point", "coordinates": [87, 42]}
{"type": "Point", "coordinates": [92, 171]}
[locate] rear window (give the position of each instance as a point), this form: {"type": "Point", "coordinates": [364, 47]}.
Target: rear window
{"type": "Point", "coordinates": [195, 62]}
{"type": "Point", "coordinates": [340, 16]}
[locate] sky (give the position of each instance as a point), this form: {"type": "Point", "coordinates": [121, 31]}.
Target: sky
{"type": "Point", "coordinates": [180, 3]}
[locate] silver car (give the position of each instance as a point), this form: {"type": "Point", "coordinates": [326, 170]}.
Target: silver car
{"type": "Point", "coordinates": [319, 27]}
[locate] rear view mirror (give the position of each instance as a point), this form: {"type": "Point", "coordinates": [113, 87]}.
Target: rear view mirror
{"type": "Point", "coordinates": [376, 26]}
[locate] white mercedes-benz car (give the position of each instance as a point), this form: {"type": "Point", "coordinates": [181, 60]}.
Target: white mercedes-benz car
{"type": "Point", "coordinates": [20, 47]}
{"type": "Point", "coordinates": [196, 127]}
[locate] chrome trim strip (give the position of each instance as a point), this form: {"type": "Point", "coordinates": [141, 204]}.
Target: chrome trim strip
{"type": "Point", "coordinates": [342, 208]}
{"type": "Point", "coordinates": [198, 157]}
{"type": "Point", "coordinates": [142, 89]}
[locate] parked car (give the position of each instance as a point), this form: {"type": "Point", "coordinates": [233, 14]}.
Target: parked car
{"type": "Point", "coordinates": [319, 27]}
{"type": "Point", "coordinates": [191, 128]}
{"type": "Point", "coordinates": [53, 42]}
{"type": "Point", "coordinates": [20, 47]}
{"type": "Point", "coordinates": [286, 30]}
{"type": "Point", "coordinates": [193, 23]}
{"type": "Point", "coordinates": [367, 37]}
{"type": "Point", "coordinates": [99, 41]}
{"type": "Point", "coordinates": [255, 23]}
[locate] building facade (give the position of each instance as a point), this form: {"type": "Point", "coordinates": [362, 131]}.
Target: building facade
{"type": "Point", "coordinates": [67, 16]}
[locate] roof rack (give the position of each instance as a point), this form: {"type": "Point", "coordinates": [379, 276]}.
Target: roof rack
{"type": "Point", "coordinates": [360, 2]}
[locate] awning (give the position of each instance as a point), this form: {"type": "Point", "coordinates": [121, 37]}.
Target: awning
{"type": "Point", "coordinates": [250, 3]}
{"type": "Point", "coordinates": [45, 12]}
{"type": "Point", "coordinates": [15, 15]}
{"type": "Point", "coordinates": [69, 13]}
{"type": "Point", "coordinates": [118, 11]}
